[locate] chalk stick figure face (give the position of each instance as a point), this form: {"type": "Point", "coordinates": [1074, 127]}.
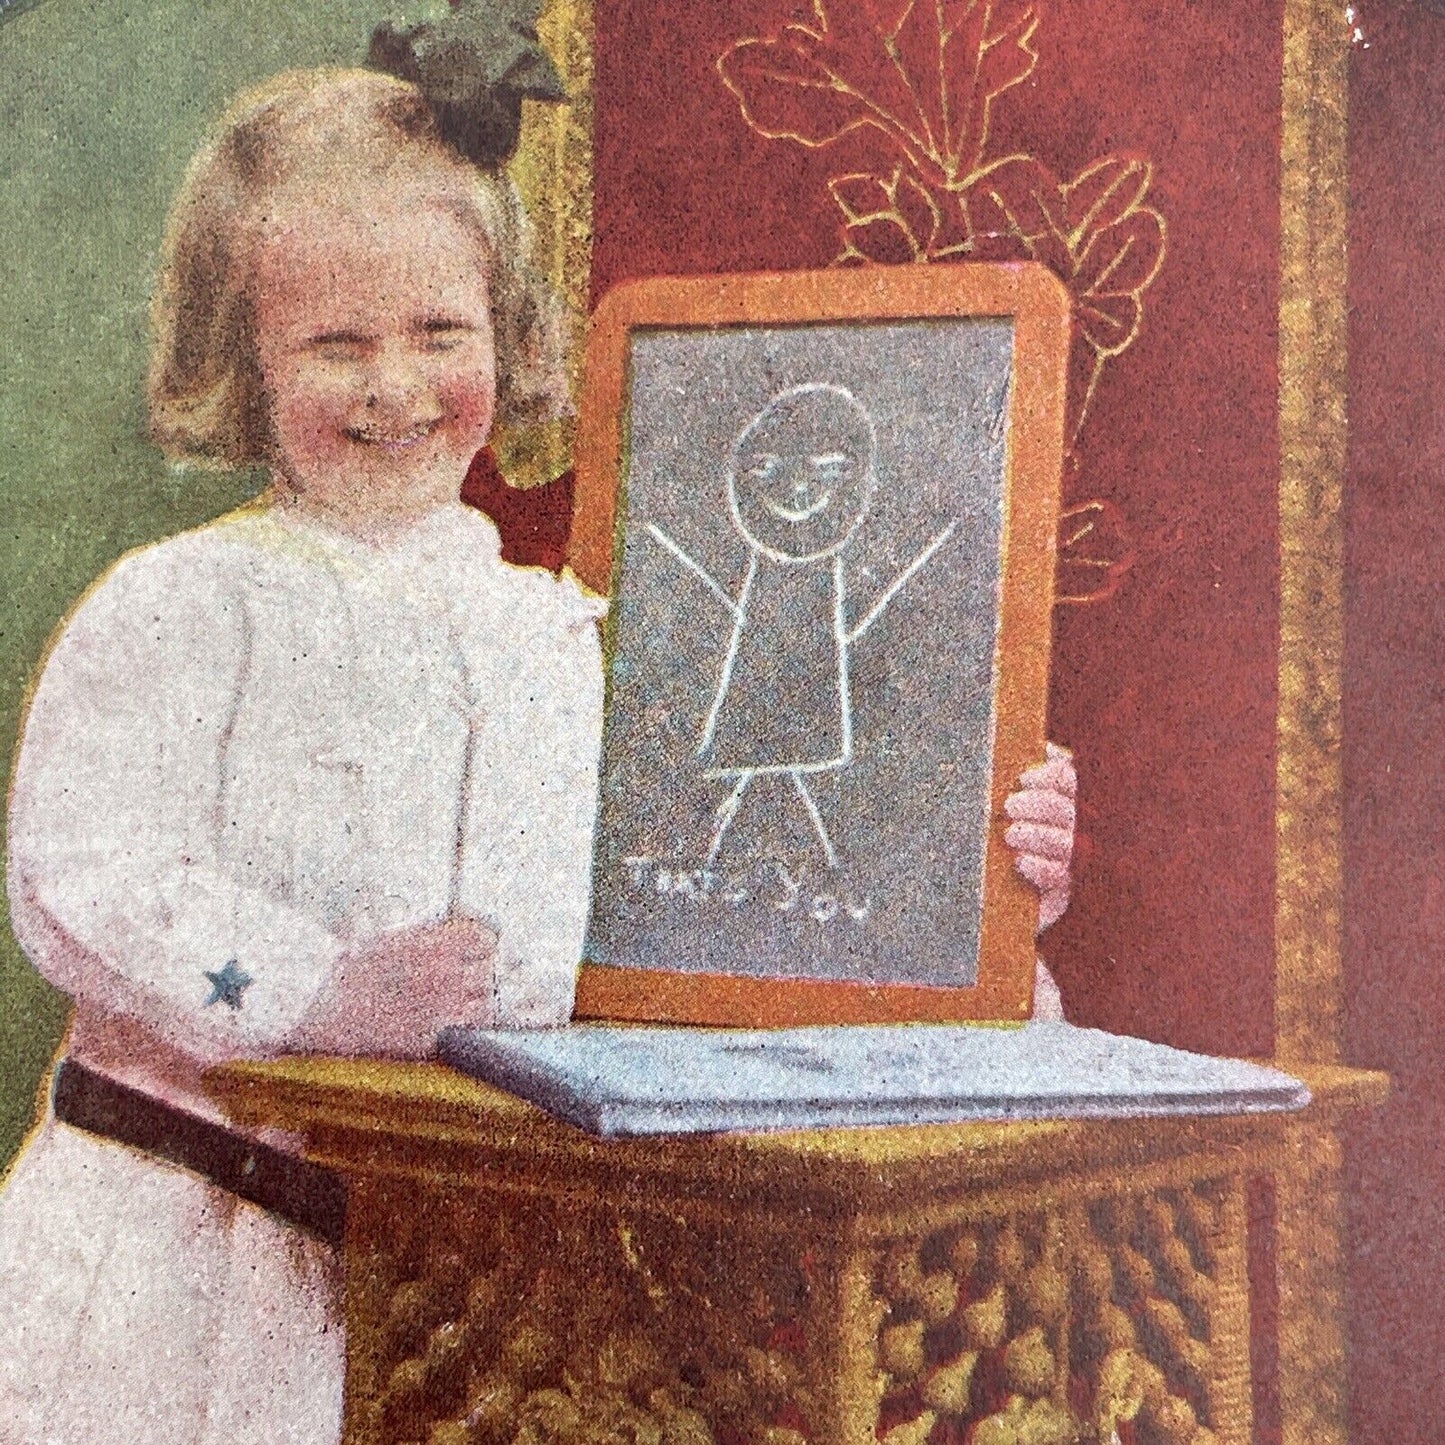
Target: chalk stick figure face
{"type": "Point", "coordinates": [803, 473]}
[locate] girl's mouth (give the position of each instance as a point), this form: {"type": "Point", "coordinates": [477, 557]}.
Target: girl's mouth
{"type": "Point", "coordinates": [803, 514]}
{"type": "Point", "coordinates": [390, 441]}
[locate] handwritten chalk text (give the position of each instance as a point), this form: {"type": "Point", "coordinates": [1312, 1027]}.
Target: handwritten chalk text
{"type": "Point", "coordinates": [771, 884]}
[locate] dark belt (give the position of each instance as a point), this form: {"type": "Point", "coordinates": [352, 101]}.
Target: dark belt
{"type": "Point", "coordinates": [307, 1194]}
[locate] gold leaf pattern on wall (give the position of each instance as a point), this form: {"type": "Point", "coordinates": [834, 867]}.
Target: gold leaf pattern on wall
{"type": "Point", "coordinates": [924, 76]}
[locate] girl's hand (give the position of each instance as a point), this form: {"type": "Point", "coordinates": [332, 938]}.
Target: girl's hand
{"type": "Point", "coordinates": [1042, 831]}
{"type": "Point", "coordinates": [390, 995]}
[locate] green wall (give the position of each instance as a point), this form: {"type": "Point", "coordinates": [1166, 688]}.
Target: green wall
{"type": "Point", "coordinates": [101, 104]}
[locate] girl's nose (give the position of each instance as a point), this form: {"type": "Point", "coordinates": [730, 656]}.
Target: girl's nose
{"type": "Point", "coordinates": [398, 389]}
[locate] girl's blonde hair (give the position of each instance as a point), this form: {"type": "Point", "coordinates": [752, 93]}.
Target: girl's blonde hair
{"type": "Point", "coordinates": [320, 132]}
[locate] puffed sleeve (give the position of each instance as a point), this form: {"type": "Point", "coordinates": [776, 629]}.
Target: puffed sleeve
{"type": "Point", "coordinates": [116, 892]}
{"type": "Point", "coordinates": [535, 803]}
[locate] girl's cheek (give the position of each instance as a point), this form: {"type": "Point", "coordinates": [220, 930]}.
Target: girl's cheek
{"type": "Point", "coordinates": [309, 428]}
{"type": "Point", "coordinates": [315, 401]}
{"type": "Point", "coordinates": [472, 404]}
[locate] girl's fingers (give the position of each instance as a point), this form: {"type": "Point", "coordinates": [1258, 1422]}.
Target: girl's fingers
{"type": "Point", "coordinates": [1047, 875]}
{"type": "Point", "coordinates": [470, 937]}
{"type": "Point", "coordinates": [1041, 805]}
{"type": "Point", "coordinates": [1057, 775]}
{"type": "Point", "coordinates": [1042, 841]}
{"type": "Point", "coordinates": [478, 980]}
{"type": "Point", "coordinates": [1043, 829]}
{"type": "Point", "coordinates": [1052, 906]}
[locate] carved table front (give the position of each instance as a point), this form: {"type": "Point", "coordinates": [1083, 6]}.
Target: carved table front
{"type": "Point", "coordinates": [511, 1279]}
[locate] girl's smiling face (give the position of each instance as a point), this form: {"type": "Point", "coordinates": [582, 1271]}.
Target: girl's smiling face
{"type": "Point", "coordinates": [374, 334]}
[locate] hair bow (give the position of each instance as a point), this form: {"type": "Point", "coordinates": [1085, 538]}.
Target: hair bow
{"type": "Point", "coordinates": [475, 65]}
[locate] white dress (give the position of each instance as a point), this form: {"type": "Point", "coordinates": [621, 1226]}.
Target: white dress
{"type": "Point", "coordinates": [263, 742]}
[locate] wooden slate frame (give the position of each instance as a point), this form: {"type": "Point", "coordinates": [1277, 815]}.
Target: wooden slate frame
{"type": "Point", "coordinates": [1038, 306]}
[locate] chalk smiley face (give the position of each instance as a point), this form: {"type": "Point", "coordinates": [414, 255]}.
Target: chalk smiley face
{"type": "Point", "coordinates": [803, 473]}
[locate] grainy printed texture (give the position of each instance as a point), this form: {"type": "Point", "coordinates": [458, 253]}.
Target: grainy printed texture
{"type": "Point", "coordinates": [1260, 881]}
{"type": "Point", "coordinates": [1393, 1007]}
{"type": "Point", "coordinates": [553, 170]}
{"type": "Point", "coordinates": [1308, 939]}
{"type": "Point", "coordinates": [1035, 1283]}
{"type": "Point", "coordinates": [1312, 441]}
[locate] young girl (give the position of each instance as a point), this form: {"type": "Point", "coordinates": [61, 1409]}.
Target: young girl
{"type": "Point", "coordinates": [320, 776]}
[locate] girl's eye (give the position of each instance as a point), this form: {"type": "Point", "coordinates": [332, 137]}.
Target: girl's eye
{"type": "Point", "coordinates": [338, 346]}
{"type": "Point", "coordinates": [764, 468]}
{"type": "Point", "coordinates": [445, 335]}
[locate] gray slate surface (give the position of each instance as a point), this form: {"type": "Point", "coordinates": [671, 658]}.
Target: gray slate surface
{"type": "Point", "coordinates": [754, 647]}
{"type": "Point", "coordinates": [618, 1080]}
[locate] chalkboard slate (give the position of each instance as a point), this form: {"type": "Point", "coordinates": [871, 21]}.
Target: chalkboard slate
{"type": "Point", "coordinates": [796, 769]}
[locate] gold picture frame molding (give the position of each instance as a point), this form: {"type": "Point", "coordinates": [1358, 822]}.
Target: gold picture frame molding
{"type": "Point", "coordinates": [1313, 316]}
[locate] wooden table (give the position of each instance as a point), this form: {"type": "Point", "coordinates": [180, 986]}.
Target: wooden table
{"type": "Point", "coordinates": [512, 1279]}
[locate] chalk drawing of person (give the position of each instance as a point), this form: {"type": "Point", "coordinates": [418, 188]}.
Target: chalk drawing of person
{"type": "Point", "coordinates": [801, 479]}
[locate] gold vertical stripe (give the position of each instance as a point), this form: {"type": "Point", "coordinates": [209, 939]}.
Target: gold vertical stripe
{"type": "Point", "coordinates": [847, 1383]}
{"type": "Point", "coordinates": [1308, 889]}
{"type": "Point", "coordinates": [553, 171]}
{"type": "Point", "coordinates": [1312, 464]}
{"type": "Point", "coordinates": [554, 162]}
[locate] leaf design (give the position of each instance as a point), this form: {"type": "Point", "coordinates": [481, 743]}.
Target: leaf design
{"type": "Point", "coordinates": [1118, 262]}
{"type": "Point", "coordinates": [1096, 551]}
{"type": "Point", "coordinates": [964, 54]}
{"type": "Point", "coordinates": [814, 84]}
{"type": "Point", "coordinates": [786, 93]}
{"type": "Point", "coordinates": [1009, 203]}
{"type": "Point", "coordinates": [1108, 323]}
{"type": "Point", "coordinates": [925, 74]}
{"type": "Point", "coordinates": [1094, 233]}
{"type": "Point", "coordinates": [1105, 193]}
{"type": "Point", "coordinates": [860, 196]}
{"type": "Point", "coordinates": [890, 221]}
{"type": "Point", "coordinates": [1126, 256]}
{"type": "Point", "coordinates": [1009, 56]}
{"type": "Point", "coordinates": [860, 51]}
